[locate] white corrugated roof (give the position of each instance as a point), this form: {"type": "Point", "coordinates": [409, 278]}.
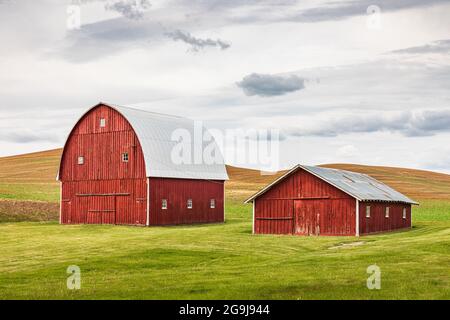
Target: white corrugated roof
{"type": "Point", "coordinates": [358, 185]}
{"type": "Point", "coordinates": [154, 131]}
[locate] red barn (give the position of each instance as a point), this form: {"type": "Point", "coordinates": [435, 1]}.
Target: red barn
{"type": "Point", "coordinates": [320, 201]}
{"type": "Point", "coordinates": [117, 167]}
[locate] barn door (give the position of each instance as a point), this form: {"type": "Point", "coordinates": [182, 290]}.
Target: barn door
{"type": "Point", "coordinates": [307, 217]}
{"type": "Point", "coordinates": [101, 210]}
{"type": "Point", "coordinates": [66, 211]}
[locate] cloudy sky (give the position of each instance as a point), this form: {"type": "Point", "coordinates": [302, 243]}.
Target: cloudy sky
{"type": "Point", "coordinates": [343, 81]}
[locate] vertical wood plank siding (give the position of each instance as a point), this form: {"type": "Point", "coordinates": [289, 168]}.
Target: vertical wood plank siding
{"type": "Point", "coordinates": [276, 213]}
{"type": "Point", "coordinates": [106, 190]}
{"type": "Point", "coordinates": [273, 216]}
{"type": "Point", "coordinates": [304, 204]}
{"type": "Point", "coordinates": [378, 221]}
{"type": "Point", "coordinates": [103, 189]}
{"type": "Point", "coordinates": [177, 192]}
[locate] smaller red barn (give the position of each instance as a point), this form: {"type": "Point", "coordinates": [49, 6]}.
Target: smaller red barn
{"type": "Point", "coordinates": [311, 200]}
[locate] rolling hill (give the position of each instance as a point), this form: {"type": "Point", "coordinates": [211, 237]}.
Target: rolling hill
{"type": "Point", "coordinates": [32, 177]}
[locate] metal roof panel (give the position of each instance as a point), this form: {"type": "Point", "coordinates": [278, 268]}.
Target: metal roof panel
{"type": "Point", "coordinates": [360, 186]}
{"type": "Point", "coordinates": [154, 131]}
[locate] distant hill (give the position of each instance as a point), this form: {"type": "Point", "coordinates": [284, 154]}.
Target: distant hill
{"type": "Point", "coordinates": [32, 177]}
{"type": "Point", "coordinates": [417, 184]}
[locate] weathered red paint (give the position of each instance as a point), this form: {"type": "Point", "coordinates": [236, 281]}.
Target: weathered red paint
{"type": "Point", "coordinates": [107, 190]}
{"type": "Point", "coordinates": [304, 204]}
{"type": "Point", "coordinates": [377, 222]}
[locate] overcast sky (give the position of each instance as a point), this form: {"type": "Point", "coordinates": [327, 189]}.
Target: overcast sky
{"type": "Point", "coordinates": [344, 81]}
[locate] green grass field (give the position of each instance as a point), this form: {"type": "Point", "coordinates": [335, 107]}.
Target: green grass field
{"type": "Point", "coordinates": [220, 261]}
{"type": "Point", "coordinates": [223, 261]}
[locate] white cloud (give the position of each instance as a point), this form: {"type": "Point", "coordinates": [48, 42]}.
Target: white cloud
{"type": "Point", "coordinates": [348, 151]}
{"type": "Point", "coordinates": [53, 74]}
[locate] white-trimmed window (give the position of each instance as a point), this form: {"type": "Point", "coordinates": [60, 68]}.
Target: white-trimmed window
{"type": "Point", "coordinates": [164, 204]}
{"type": "Point", "coordinates": [404, 213]}
{"type": "Point", "coordinates": [386, 214]}
{"type": "Point", "coordinates": [367, 211]}
{"type": "Point", "coordinates": [80, 160]}
{"type": "Point", "coordinates": [189, 204]}
{"type": "Point", "coordinates": [102, 122]}
{"type": "Point", "coordinates": [212, 203]}
{"type": "Point", "coordinates": [125, 157]}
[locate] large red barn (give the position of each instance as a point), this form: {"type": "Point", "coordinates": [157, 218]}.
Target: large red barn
{"type": "Point", "coordinates": [320, 201]}
{"type": "Point", "coordinates": [117, 167]}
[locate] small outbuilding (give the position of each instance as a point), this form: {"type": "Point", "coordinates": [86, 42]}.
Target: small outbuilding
{"type": "Point", "coordinates": [117, 167]}
{"type": "Point", "coordinates": [310, 200]}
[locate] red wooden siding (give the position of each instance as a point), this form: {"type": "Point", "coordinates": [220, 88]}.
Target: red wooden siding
{"type": "Point", "coordinates": [325, 217]}
{"type": "Point", "coordinates": [177, 192]}
{"type": "Point", "coordinates": [273, 216]}
{"type": "Point", "coordinates": [305, 204]}
{"type": "Point", "coordinates": [104, 189]}
{"type": "Point", "coordinates": [91, 201]}
{"type": "Point", "coordinates": [378, 221]}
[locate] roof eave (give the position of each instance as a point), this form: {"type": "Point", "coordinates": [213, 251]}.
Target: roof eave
{"type": "Point", "coordinates": [265, 189]}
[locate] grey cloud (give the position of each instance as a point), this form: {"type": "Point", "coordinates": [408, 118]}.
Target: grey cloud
{"type": "Point", "coordinates": [266, 85]}
{"type": "Point", "coordinates": [197, 43]}
{"type": "Point", "coordinates": [131, 9]}
{"type": "Point", "coordinates": [342, 10]}
{"type": "Point", "coordinates": [100, 39]}
{"type": "Point", "coordinates": [440, 46]}
{"type": "Point", "coordinates": [425, 123]}
{"type": "Point", "coordinates": [27, 136]}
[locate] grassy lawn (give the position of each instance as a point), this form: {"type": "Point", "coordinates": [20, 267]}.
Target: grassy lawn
{"type": "Point", "coordinates": [224, 261]}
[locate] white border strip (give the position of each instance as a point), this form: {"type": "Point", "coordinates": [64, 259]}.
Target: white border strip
{"type": "Point", "coordinates": [60, 201]}
{"type": "Point", "coordinates": [147, 222]}
{"type": "Point", "coordinates": [223, 186]}
{"type": "Point", "coordinates": [357, 218]}
{"type": "Point", "coordinates": [253, 219]}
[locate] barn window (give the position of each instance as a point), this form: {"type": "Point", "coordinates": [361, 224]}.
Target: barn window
{"type": "Point", "coordinates": [386, 214]}
{"type": "Point", "coordinates": [102, 122]}
{"type": "Point", "coordinates": [367, 211]}
{"type": "Point", "coordinates": [81, 160]}
{"type": "Point", "coordinates": [164, 204]}
{"type": "Point", "coordinates": [189, 204]}
{"type": "Point", "coordinates": [125, 157]}
{"type": "Point", "coordinates": [404, 213]}
{"type": "Point", "coordinates": [212, 203]}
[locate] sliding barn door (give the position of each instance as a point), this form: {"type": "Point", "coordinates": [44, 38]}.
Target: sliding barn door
{"type": "Point", "coordinates": [308, 215]}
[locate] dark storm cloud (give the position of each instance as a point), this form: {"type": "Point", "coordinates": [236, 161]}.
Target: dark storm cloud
{"type": "Point", "coordinates": [197, 43]}
{"type": "Point", "coordinates": [266, 85]}
{"type": "Point", "coordinates": [425, 123]}
{"type": "Point", "coordinates": [440, 46]}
